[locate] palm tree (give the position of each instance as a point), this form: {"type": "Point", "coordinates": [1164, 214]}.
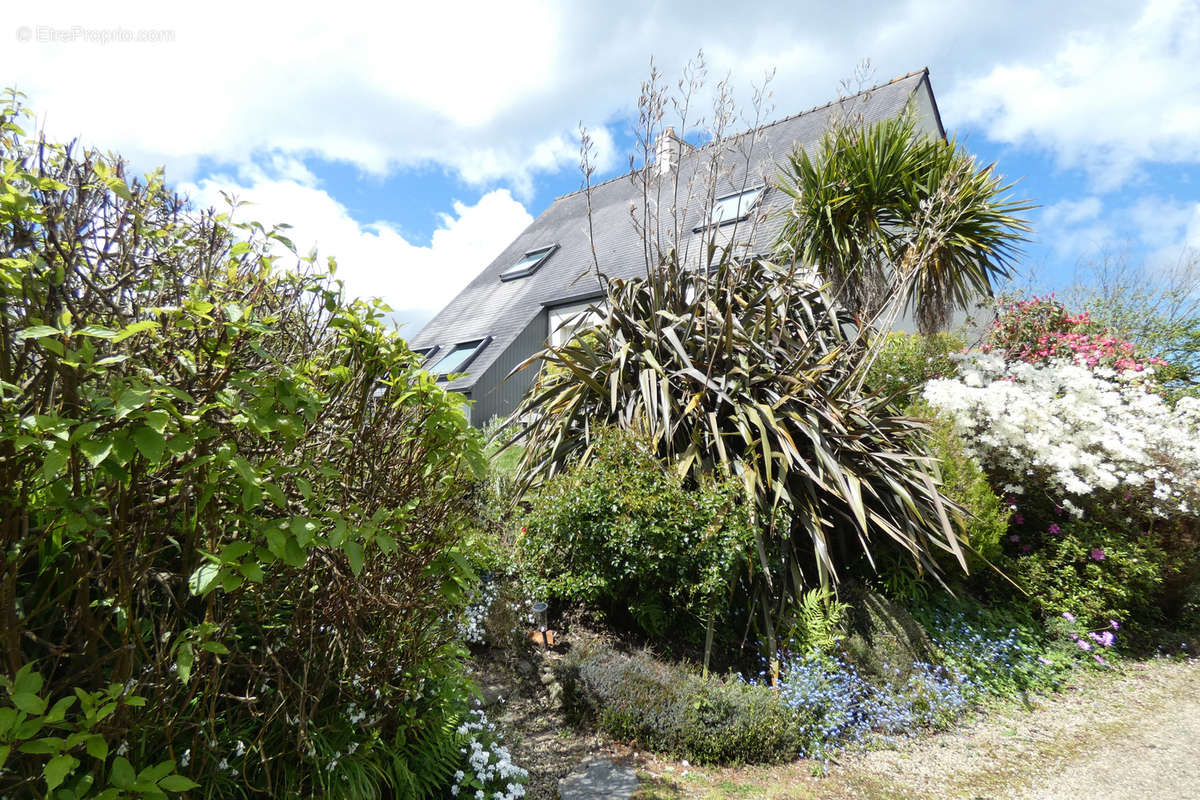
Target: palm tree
{"type": "Point", "coordinates": [885, 212]}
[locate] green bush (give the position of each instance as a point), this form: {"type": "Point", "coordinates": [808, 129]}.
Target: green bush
{"type": "Point", "coordinates": [1093, 570]}
{"type": "Point", "coordinates": [621, 531]}
{"type": "Point", "coordinates": [907, 361]}
{"type": "Point", "coordinates": [984, 518]}
{"type": "Point", "coordinates": [230, 507]}
{"type": "Point", "coordinates": [673, 710]}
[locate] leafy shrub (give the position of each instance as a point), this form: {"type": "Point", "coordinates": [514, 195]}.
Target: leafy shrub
{"type": "Point", "coordinates": [223, 489]}
{"type": "Point", "coordinates": [1066, 444]}
{"type": "Point", "coordinates": [620, 530]}
{"type": "Point", "coordinates": [670, 709]}
{"type": "Point", "coordinates": [1093, 569]}
{"type": "Point", "coordinates": [906, 362]}
{"type": "Point", "coordinates": [1038, 329]}
{"type": "Point", "coordinates": [984, 519]}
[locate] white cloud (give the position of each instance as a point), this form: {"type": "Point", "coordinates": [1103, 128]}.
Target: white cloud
{"type": "Point", "coordinates": [1149, 228]}
{"type": "Point", "coordinates": [1109, 98]}
{"type": "Point", "coordinates": [373, 259]}
{"type": "Point", "coordinates": [491, 91]}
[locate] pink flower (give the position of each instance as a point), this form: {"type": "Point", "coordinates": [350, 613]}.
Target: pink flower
{"type": "Point", "coordinates": [1054, 528]}
{"type": "Point", "coordinates": [1068, 616]}
{"type": "Point", "coordinates": [1097, 554]}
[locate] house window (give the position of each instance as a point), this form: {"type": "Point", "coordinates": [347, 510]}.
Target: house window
{"type": "Point", "coordinates": [459, 357]}
{"type": "Point", "coordinates": [566, 320]}
{"type": "Point", "coordinates": [529, 263]}
{"type": "Point", "coordinates": [732, 207]}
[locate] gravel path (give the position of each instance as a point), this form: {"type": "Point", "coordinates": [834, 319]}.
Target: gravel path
{"type": "Point", "coordinates": [1134, 737]}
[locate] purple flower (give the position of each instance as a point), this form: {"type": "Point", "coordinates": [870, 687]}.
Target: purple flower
{"type": "Point", "coordinates": [1054, 528]}
{"type": "Point", "coordinates": [1099, 660]}
{"type": "Point", "coordinates": [1107, 639]}
{"type": "Point", "coordinates": [1097, 554]}
{"type": "Point", "coordinates": [1019, 519]}
{"type": "Point", "coordinates": [1025, 548]}
{"type": "Point", "coordinates": [1068, 616]}
{"type": "Point", "coordinates": [1014, 538]}
{"type": "Point", "coordinates": [1083, 645]}
{"type": "Point", "coordinates": [1046, 661]}
{"type": "Point", "coordinates": [1116, 626]}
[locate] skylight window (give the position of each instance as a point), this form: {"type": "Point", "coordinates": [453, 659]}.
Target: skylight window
{"type": "Point", "coordinates": [459, 357]}
{"type": "Point", "coordinates": [529, 263]}
{"type": "Point", "coordinates": [733, 207]}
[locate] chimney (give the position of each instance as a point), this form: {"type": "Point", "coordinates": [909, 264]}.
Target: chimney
{"type": "Point", "coordinates": [667, 157]}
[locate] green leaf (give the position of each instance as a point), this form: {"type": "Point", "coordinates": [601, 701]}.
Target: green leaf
{"type": "Point", "coordinates": [184, 658]}
{"type": "Point", "coordinates": [157, 419]}
{"type": "Point", "coordinates": [252, 571]}
{"type": "Point", "coordinates": [386, 543]}
{"type": "Point", "coordinates": [235, 550]}
{"type": "Point", "coordinates": [122, 775]}
{"type": "Point", "coordinates": [178, 783]}
{"type": "Point", "coordinates": [97, 747]}
{"type": "Point", "coordinates": [354, 552]}
{"type": "Point", "coordinates": [37, 332]}
{"type": "Point", "coordinates": [55, 460]}
{"type": "Point", "coordinates": [150, 443]}
{"type": "Point", "coordinates": [27, 680]}
{"type": "Point", "coordinates": [96, 451]}
{"type": "Point", "coordinates": [293, 553]}
{"type": "Point", "coordinates": [49, 745]}
{"type": "Point", "coordinates": [119, 188]}
{"type": "Point", "coordinates": [57, 769]}
{"type": "Point", "coordinates": [215, 647]}
{"type": "Point", "coordinates": [97, 332]}
{"type": "Point", "coordinates": [59, 709]}
{"type": "Point", "coordinates": [203, 579]}
{"type": "Point", "coordinates": [129, 400]}
{"type": "Point", "coordinates": [157, 772]}
{"type": "Point", "coordinates": [29, 703]}
{"type": "Point", "coordinates": [135, 329]}
{"type": "Point", "coordinates": [5, 749]}
{"type": "Point", "coordinates": [303, 529]}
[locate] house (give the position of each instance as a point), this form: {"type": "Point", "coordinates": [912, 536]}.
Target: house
{"type": "Point", "coordinates": [548, 274]}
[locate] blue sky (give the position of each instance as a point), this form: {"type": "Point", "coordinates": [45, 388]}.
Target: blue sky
{"type": "Point", "coordinates": [414, 142]}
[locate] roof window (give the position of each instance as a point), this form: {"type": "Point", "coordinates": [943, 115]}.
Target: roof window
{"type": "Point", "coordinates": [459, 357]}
{"type": "Point", "coordinates": [529, 263]}
{"type": "Point", "coordinates": [732, 207]}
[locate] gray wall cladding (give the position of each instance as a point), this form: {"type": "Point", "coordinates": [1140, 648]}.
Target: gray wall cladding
{"type": "Point", "coordinates": [495, 396]}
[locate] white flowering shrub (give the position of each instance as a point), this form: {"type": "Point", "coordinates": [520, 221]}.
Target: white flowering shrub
{"type": "Point", "coordinates": [471, 627]}
{"type": "Point", "coordinates": [1100, 473]}
{"type": "Point", "coordinates": [490, 772]}
{"type": "Point", "coordinates": [1077, 432]}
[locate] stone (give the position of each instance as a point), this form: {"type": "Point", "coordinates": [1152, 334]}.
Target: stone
{"type": "Point", "coordinates": [556, 694]}
{"type": "Point", "coordinates": [599, 779]}
{"type": "Point", "coordinates": [492, 694]}
{"type": "Point", "coordinates": [524, 668]}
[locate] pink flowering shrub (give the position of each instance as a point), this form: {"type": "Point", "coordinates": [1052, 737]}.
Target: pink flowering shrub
{"type": "Point", "coordinates": [1040, 329]}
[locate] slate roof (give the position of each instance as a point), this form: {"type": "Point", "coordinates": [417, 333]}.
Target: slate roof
{"type": "Point", "coordinates": [490, 307]}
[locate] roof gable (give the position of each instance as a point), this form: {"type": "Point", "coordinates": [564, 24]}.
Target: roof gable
{"type": "Point", "coordinates": [502, 309]}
